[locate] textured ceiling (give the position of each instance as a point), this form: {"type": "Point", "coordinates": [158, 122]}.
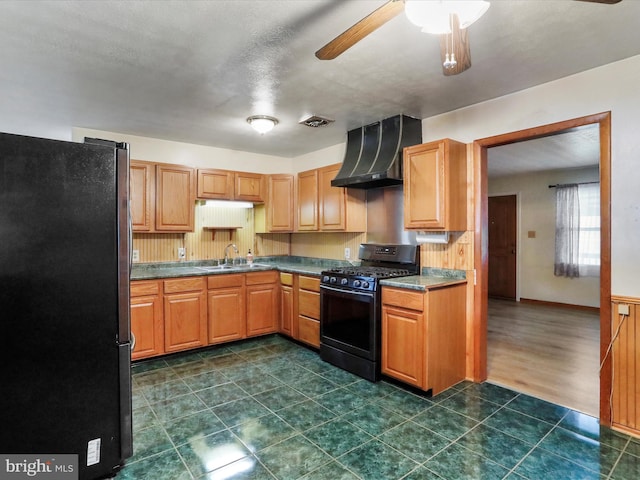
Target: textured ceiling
{"type": "Point", "coordinates": [192, 71]}
{"type": "Point", "coordinates": [576, 148]}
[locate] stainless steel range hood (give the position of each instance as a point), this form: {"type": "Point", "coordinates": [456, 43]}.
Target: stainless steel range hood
{"type": "Point", "coordinates": [373, 157]}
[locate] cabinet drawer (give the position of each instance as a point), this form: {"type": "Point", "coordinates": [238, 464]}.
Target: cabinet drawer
{"type": "Point", "coordinates": [403, 298]}
{"type": "Point", "coordinates": [309, 283]}
{"type": "Point", "coordinates": [223, 281]}
{"type": "Point", "coordinates": [286, 279]}
{"type": "Point", "coordinates": [257, 278]}
{"type": "Point", "coordinates": [309, 331]}
{"type": "Point", "coordinates": [190, 284]}
{"type": "Point", "coordinates": [140, 289]}
{"type": "Point", "coordinates": [309, 304]}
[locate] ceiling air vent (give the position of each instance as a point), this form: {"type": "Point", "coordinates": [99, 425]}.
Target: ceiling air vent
{"type": "Point", "coordinates": [316, 121]}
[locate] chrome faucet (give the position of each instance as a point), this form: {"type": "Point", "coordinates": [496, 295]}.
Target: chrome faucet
{"type": "Point", "coordinates": [226, 252]}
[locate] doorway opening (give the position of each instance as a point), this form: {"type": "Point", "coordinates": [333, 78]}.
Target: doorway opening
{"type": "Point", "coordinates": [481, 147]}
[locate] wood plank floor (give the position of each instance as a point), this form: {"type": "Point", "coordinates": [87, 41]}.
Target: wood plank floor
{"type": "Point", "coordinates": [547, 352]}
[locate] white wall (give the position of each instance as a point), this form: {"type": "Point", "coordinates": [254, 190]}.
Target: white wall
{"type": "Point", "coordinates": [164, 151]}
{"type": "Point", "coordinates": [536, 212]}
{"type": "Point", "coordinates": [614, 88]}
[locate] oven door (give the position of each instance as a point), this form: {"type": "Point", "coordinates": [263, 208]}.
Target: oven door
{"type": "Point", "coordinates": [348, 321]}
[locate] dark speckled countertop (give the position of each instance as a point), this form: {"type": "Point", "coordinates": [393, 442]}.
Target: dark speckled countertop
{"type": "Point", "coordinates": [291, 264]}
{"type": "Point", "coordinates": [429, 278]}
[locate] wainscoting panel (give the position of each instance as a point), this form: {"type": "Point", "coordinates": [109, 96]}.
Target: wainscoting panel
{"type": "Point", "coordinates": [625, 400]}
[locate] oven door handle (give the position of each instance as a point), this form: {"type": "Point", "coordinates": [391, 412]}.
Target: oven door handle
{"type": "Point", "coordinates": [346, 292]}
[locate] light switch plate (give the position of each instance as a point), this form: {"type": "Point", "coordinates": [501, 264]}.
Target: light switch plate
{"type": "Point", "coordinates": [347, 253]}
{"type": "Point", "coordinates": [181, 253]}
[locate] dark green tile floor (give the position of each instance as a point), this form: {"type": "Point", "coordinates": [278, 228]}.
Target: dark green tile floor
{"type": "Point", "coordinates": [269, 409]}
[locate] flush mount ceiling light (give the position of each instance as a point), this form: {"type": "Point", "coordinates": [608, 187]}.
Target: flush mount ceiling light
{"type": "Point", "coordinates": [435, 16]}
{"type": "Point", "coordinates": [262, 123]}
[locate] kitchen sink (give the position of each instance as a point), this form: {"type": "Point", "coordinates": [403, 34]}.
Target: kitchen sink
{"type": "Point", "coordinates": [239, 267]}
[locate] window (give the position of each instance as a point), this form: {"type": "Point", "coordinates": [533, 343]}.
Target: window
{"type": "Point", "coordinates": [589, 237]}
{"type": "Point", "coordinates": [577, 230]}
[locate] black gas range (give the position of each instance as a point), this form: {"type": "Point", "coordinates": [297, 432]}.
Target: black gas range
{"type": "Point", "coordinates": [350, 306]}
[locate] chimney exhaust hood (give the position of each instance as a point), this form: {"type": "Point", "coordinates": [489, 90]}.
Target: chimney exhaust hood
{"type": "Point", "coordinates": [373, 157]}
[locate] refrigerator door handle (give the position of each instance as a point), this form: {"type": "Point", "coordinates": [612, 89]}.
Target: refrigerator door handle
{"type": "Point", "coordinates": [133, 341]}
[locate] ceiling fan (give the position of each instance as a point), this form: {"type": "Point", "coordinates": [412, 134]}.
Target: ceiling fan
{"type": "Point", "coordinates": [454, 46]}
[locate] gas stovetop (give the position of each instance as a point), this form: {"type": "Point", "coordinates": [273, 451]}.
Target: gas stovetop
{"type": "Point", "coordinates": [370, 271]}
{"type": "Point", "coordinates": [378, 262]}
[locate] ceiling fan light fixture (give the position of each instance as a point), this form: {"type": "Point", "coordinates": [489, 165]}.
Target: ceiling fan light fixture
{"type": "Point", "coordinates": [262, 123]}
{"type": "Point", "coordinates": [434, 16]}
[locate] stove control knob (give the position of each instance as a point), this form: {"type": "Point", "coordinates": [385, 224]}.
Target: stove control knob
{"type": "Point", "coordinates": [325, 279]}
{"type": "Point", "coordinates": [357, 283]}
{"type": "Point", "coordinates": [333, 280]}
{"type": "Point", "coordinates": [365, 284]}
{"type": "Point", "coordinates": [344, 281]}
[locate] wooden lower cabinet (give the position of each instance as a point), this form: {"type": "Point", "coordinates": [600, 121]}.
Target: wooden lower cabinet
{"type": "Point", "coordinates": [308, 314]}
{"type": "Point", "coordinates": [262, 303]}
{"type": "Point", "coordinates": [423, 336]}
{"type": "Point", "coordinates": [286, 304]}
{"type": "Point", "coordinates": [185, 313]}
{"type": "Point", "coordinates": [147, 323]}
{"type": "Point", "coordinates": [226, 308]}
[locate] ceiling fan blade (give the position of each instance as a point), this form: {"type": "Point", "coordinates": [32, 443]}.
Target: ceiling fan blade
{"type": "Point", "coordinates": [461, 49]}
{"type": "Point", "coordinates": [357, 32]}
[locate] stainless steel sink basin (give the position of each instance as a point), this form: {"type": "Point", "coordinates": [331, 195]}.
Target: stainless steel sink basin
{"type": "Point", "coordinates": [239, 267]}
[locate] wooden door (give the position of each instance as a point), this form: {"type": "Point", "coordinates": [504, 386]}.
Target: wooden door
{"type": "Point", "coordinates": [286, 310]}
{"type": "Point", "coordinates": [141, 195]}
{"type": "Point", "coordinates": [249, 187]}
{"type": "Point", "coordinates": [226, 312]}
{"type": "Point", "coordinates": [403, 345]}
{"type": "Point", "coordinates": [262, 309]}
{"type": "Point", "coordinates": [331, 212]}
{"type": "Point", "coordinates": [502, 246]}
{"type": "Point", "coordinates": [175, 198]}
{"type": "Point", "coordinates": [215, 184]}
{"type": "Point", "coordinates": [280, 203]}
{"type": "Point", "coordinates": [307, 193]}
{"type": "Point", "coordinates": [147, 326]}
{"type": "Point", "coordinates": [424, 191]}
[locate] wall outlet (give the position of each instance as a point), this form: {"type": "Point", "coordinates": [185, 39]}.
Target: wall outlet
{"type": "Point", "coordinates": [182, 253]}
{"type": "Point", "coordinates": [135, 256]}
{"type": "Point", "coordinates": [347, 253]}
{"type": "Point", "coordinates": [623, 309]}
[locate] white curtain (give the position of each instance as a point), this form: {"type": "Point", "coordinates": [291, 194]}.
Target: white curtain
{"type": "Point", "coordinates": [567, 262]}
{"type": "Point", "coordinates": [589, 249]}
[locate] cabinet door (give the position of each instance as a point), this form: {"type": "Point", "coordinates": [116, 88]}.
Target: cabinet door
{"type": "Point", "coordinates": [226, 312]}
{"type": "Point", "coordinates": [147, 326]}
{"type": "Point", "coordinates": [215, 184]}
{"type": "Point", "coordinates": [262, 309]}
{"type": "Point", "coordinates": [424, 187]}
{"type": "Point", "coordinates": [280, 203]}
{"type": "Point", "coordinates": [307, 194]}
{"type": "Point", "coordinates": [185, 316]}
{"type": "Point", "coordinates": [332, 200]}
{"type": "Point", "coordinates": [249, 187]}
{"type": "Point", "coordinates": [403, 354]}
{"type": "Point", "coordinates": [286, 310]}
{"type": "Point", "coordinates": [175, 198]}
{"type": "Point", "coordinates": [141, 195]}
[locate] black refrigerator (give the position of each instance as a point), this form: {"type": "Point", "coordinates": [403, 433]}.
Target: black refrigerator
{"type": "Point", "coordinates": [64, 303]}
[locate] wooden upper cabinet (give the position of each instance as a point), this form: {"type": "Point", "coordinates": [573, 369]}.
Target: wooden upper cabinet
{"type": "Point", "coordinates": [249, 187]}
{"type": "Point", "coordinates": [280, 203]}
{"type": "Point", "coordinates": [215, 184]}
{"type": "Point", "coordinates": [142, 195]}
{"type": "Point", "coordinates": [175, 197]}
{"type": "Point", "coordinates": [322, 207]}
{"type": "Point", "coordinates": [307, 194]}
{"type": "Point", "coordinates": [435, 186]}
{"type": "Point", "coordinates": [332, 200]}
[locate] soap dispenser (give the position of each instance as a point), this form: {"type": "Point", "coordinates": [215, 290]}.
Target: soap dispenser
{"type": "Point", "coordinates": [249, 258]}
